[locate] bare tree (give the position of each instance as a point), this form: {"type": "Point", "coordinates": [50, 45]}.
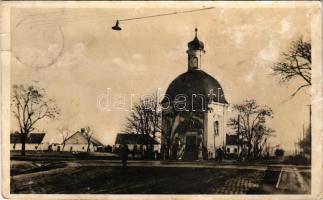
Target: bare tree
{"type": "Point", "coordinates": [145, 117]}
{"type": "Point", "coordinates": [29, 106]}
{"type": "Point", "coordinates": [296, 63]}
{"type": "Point", "coordinates": [171, 122]}
{"type": "Point", "coordinates": [88, 131]}
{"type": "Point", "coordinates": [252, 125]}
{"type": "Point", "coordinates": [65, 134]}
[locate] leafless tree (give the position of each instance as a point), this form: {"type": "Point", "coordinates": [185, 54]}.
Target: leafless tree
{"type": "Point", "coordinates": [88, 131]}
{"type": "Point", "coordinates": [29, 106]}
{"type": "Point", "coordinates": [296, 63]}
{"type": "Point", "coordinates": [145, 117]}
{"type": "Point", "coordinates": [252, 125]}
{"type": "Point", "coordinates": [167, 135]}
{"type": "Point", "coordinates": [65, 134]}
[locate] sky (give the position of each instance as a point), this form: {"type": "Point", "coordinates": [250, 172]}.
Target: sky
{"type": "Point", "coordinates": [75, 55]}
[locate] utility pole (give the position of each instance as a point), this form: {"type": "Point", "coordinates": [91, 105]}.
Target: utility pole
{"type": "Point", "coordinates": [238, 134]}
{"type": "Point", "coordinates": [310, 110]}
{"type": "Point", "coordinates": [303, 135]}
{"type": "Point", "coordinates": [310, 126]}
{"type": "Point", "coordinates": [299, 144]}
{"type": "Point", "coordinates": [302, 138]}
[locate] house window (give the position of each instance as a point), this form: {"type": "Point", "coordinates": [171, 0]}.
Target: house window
{"type": "Point", "coordinates": [228, 150]}
{"type": "Point", "coordinates": [235, 150]}
{"type": "Point", "coordinates": [216, 128]}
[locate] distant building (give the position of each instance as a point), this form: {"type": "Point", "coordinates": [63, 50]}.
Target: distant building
{"type": "Point", "coordinates": [137, 143]}
{"type": "Point", "coordinates": [232, 145]}
{"type": "Point", "coordinates": [33, 141]}
{"type": "Point", "coordinates": [54, 147]}
{"type": "Point", "coordinates": [78, 142]}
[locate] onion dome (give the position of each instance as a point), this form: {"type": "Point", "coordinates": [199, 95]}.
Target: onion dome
{"type": "Point", "coordinates": [196, 44]}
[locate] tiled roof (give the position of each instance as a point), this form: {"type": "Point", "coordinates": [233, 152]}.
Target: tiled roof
{"type": "Point", "coordinates": [34, 138]}
{"type": "Point", "coordinates": [232, 139]}
{"type": "Point", "coordinates": [132, 138]}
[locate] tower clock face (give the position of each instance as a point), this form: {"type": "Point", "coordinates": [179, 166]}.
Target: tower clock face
{"type": "Point", "coordinates": [195, 62]}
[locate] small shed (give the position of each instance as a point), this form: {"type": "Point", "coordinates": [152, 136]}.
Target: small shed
{"type": "Point", "coordinates": [232, 144]}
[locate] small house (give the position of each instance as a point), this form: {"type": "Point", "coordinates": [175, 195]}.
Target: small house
{"type": "Point", "coordinates": [78, 142]}
{"type": "Point", "coordinates": [138, 144]}
{"type": "Point", "coordinates": [33, 141]}
{"type": "Point", "coordinates": [232, 147]}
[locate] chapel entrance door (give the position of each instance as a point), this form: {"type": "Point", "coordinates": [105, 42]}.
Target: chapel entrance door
{"type": "Point", "coordinates": [190, 148]}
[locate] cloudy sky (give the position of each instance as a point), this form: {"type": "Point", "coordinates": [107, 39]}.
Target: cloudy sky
{"type": "Point", "coordinates": [75, 55]}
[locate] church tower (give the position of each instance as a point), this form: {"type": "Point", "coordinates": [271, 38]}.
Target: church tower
{"type": "Point", "coordinates": [194, 52]}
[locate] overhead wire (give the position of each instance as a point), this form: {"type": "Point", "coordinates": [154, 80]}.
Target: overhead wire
{"type": "Point", "coordinates": [53, 21]}
{"type": "Point", "coordinates": [165, 14]}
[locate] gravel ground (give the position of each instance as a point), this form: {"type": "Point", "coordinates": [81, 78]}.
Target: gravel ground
{"type": "Point", "coordinates": [137, 180]}
{"type": "Point", "coordinates": [41, 176]}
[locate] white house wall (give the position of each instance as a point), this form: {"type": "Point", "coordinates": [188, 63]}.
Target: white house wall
{"type": "Point", "coordinates": [28, 147]}
{"type": "Point", "coordinates": [77, 138]}
{"type": "Point", "coordinates": [78, 147]}
{"type": "Point", "coordinates": [218, 113]}
{"type": "Point", "coordinates": [232, 148]}
{"type": "Point", "coordinates": [44, 147]}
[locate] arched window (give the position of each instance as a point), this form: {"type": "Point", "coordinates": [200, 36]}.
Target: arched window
{"type": "Point", "coordinates": [216, 128]}
{"type": "Point", "coordinates": [195, 62]}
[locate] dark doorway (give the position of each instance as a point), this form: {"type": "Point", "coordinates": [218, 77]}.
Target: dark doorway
{"type": "Point", "coordinates": [190, 148]}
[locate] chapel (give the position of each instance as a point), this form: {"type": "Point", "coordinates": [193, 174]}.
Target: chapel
{"type": "Point", "coordinates": [194, 111]}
